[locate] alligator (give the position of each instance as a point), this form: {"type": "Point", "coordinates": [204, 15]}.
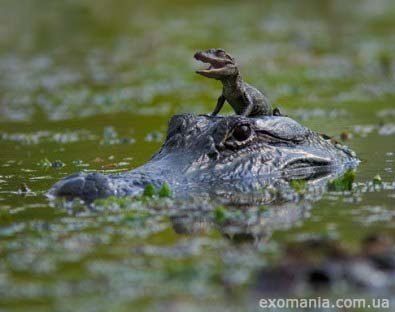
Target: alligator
{"type": "Point", "coordinates": [201, 152]}
{"type": "Point", "coordinates": [246, 100]}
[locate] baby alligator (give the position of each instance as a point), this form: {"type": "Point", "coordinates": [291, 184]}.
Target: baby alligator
{"type": "Point", "coordinates": [245, 99]}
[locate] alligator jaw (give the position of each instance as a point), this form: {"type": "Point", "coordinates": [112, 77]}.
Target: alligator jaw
{"type": "Point", "coordinates": [216, 64]}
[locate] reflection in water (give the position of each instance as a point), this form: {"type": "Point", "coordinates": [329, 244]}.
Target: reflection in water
{"type": "Point", "coordinates": [320, 265]}
{"type": "Point", "coordinates": [249, 214]}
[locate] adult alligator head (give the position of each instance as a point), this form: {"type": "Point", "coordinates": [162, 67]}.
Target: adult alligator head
{"type": "Point", "coordinates": [202, 151]}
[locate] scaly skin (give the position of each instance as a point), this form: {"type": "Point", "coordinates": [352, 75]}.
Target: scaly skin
{"type": "Point", "coordinates": [246, 100]}
{"type": "Point", "coordinates": [201, 152]}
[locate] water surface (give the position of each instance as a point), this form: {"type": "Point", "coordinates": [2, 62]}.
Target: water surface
{"type": "Point", "coordinates": [93, 83]}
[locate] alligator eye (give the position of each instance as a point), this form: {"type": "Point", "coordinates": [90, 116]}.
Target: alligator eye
{"type": "Point", "coordinates": [241, 133]}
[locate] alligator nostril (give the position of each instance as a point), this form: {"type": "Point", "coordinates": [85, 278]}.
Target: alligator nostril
{"type": "Point", "coordinates": [214, 155]}
{"type": "Point", "coordinates": [197, 54]}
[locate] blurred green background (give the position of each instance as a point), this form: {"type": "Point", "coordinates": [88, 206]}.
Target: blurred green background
{"type": "Point", "coordinates": [69, 59]}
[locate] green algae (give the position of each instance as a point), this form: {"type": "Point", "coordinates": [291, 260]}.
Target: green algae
{"type": "Point", "coordinates": [135, 216]}
{"type": "Point", "coordinates": [299, 186]}
{"type": "Point", "coordinates": [344, 183]}
{"type": "Point", "coordinates": [121, 202]}
{"type": "Point", "coordinates": [165, 191]}
{"type": "Point", "coordinates": [377, 179]}
{"type": "Point", "coordinates": [45, 163]}
{"type": "Point", "coordinates": [220, 214]}
{"type": "Point", "coordinates": [150, 191]}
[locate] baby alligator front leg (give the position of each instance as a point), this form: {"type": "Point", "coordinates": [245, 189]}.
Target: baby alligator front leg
{"type": "Point", "coordinates": [220, 103]}
{"type": "Point", "coordinates": [249, 105]}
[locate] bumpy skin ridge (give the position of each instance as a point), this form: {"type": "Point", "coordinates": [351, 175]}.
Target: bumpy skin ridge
{"type": "Point", "coordinates": [205, 151]}
{"type": "Point", "coordinates": [84, 185]}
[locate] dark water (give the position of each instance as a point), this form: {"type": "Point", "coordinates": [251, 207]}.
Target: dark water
{"type": "Point", "coordinates": [93, 83]}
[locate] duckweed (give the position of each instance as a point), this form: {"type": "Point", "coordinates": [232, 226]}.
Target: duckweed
{"type": "Point", "coordinates": [150, 191]}
{"type": "Point", "coordinates": [165, 191]}
{"type": "Point", "coordinates": [343, 183]}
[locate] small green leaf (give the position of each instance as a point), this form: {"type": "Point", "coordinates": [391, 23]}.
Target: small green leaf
{"type": "Point", "coordinates": [45, 163]}
{"type": "Point", "coordinates": [377, 179]}
{"type": "Point", "coordinates": [344, 183]}
{"type": "Point", "coordinates": [165, 190]}
{"type": "Point", "coordinates": [149, 190]}
{"type": "Point", "coordinates": [220, 214]}
{"type": "Point", "coordinates": [299, 186]}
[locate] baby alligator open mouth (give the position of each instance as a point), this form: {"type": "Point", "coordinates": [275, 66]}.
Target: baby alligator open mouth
{"type": "Point", "coordinates": [215, 63]}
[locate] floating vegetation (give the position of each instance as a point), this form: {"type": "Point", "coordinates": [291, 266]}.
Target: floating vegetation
{"type": "Point", "coordinates": [58, 164]}
{"type": "Point", "coordinates": [344, 183]}
{"type": "Point", "coordinates": [165, 191]}
{"type": "Point", "coordinates": [110, 136]}
{"type": "Point", "coordinates": [135, 216]}
{"type": "Point", "coordinates": [149, 191]}
{"type": "Point", "coordinates": [305, 114]}
{"type": "Point", "coordinates": [383, 129]}
{"type": "Point", "coordinates": [219, 214]}
{"type": "Point", "coordinates": [115, 165]}
{"type": "Point", "coordinates": [299, 186]}
{"type": "Point", "coordinates": [41, 137]}
{"type": "Point", "coordinates": [45, 163]}
{"type": "Point", "coordinates": [387, 129]}
{"type": "Point", "coordinates": [232, 219]}
{"type": "Point", "coordinates": [79, 163]}
{"type": "Point", "coordinates": [23, 189]}
{"type": "Point", "coordinates": [154, 136]}
{"type": "Point", "coordinates": [120, 202]}
{"type": "Point", "coordinates": [384, 113]}
{"type": "Point", "coordinates": [346, 135]}
{"type": "Point", "coordinates": [377, 179]}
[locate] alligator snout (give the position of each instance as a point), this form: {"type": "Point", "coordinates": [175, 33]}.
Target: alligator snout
{"type": "Point", "coordinates": [197, 55]}
{"type": "Point", "coordinates": [84, 185]}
